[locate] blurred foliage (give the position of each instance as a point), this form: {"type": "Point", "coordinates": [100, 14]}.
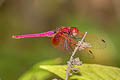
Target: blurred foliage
{"type": "Point", "coordinates": [39, 74]}
{"type": "Point", "coordinates": [99, 17]}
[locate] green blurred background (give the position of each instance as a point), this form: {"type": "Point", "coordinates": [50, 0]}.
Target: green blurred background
{"type": "Point", "coordinates": [35, 16]}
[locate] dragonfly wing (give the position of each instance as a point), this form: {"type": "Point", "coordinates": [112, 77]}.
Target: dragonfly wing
{"type": "Point", "coordinates": [58, 41]}
{"type": "Point", "coordinates": [62, 42]}
{"type": "Point", "coordinates": [86, 53]}
{"type": "Point", "coordinates": [95, 42]}
{"type": "Point", "coordinates": [66, 43]}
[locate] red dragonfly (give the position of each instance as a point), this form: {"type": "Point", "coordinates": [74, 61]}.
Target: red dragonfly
{"type": "Point", "coordinates": [67, 38]}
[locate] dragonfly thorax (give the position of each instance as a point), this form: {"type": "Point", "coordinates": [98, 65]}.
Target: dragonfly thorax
{"type": "Point", "coordinates": [64, 30]}
{"type": "Point", "coordinates": [68, 30]}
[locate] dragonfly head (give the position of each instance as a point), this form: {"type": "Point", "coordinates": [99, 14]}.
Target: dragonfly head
{"type": "Point", "coordinates": [74, 31]}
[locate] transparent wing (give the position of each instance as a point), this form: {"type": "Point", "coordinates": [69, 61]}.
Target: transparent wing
{"type": "Point", "coordinates": [58, 41]}
{"type": "Point", "coordinates": [86, 53]}
{"type": "Point", "coordinates": [95, 42]}
{"type": "Point", "coordinates": [62, 42]}
{"type": "Point", "coordinates": [67, 43]}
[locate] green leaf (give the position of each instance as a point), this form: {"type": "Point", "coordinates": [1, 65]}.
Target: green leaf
{"type": "Point", "coordinates": [87, 72]}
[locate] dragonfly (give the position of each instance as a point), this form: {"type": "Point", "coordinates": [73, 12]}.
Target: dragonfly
{"type": "Point", "coordinates": [66, 38]}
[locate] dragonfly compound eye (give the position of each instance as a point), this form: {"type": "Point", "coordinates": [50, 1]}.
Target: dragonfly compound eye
{"type": "Point", "coordinates": [74, 31]}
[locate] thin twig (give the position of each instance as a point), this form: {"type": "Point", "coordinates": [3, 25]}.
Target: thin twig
{"type": "Point", "coordinates": [69, 63]}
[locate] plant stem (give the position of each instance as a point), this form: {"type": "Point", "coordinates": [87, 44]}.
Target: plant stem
{"type": "Point", "coordinates": [69, 63]}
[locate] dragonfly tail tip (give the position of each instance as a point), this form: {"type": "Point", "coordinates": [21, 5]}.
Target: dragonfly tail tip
{"type": "Point", "coordinates": [15, 37]}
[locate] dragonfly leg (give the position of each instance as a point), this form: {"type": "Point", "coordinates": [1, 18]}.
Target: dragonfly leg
{"type": "Point", "coordinates": [66, 44]}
